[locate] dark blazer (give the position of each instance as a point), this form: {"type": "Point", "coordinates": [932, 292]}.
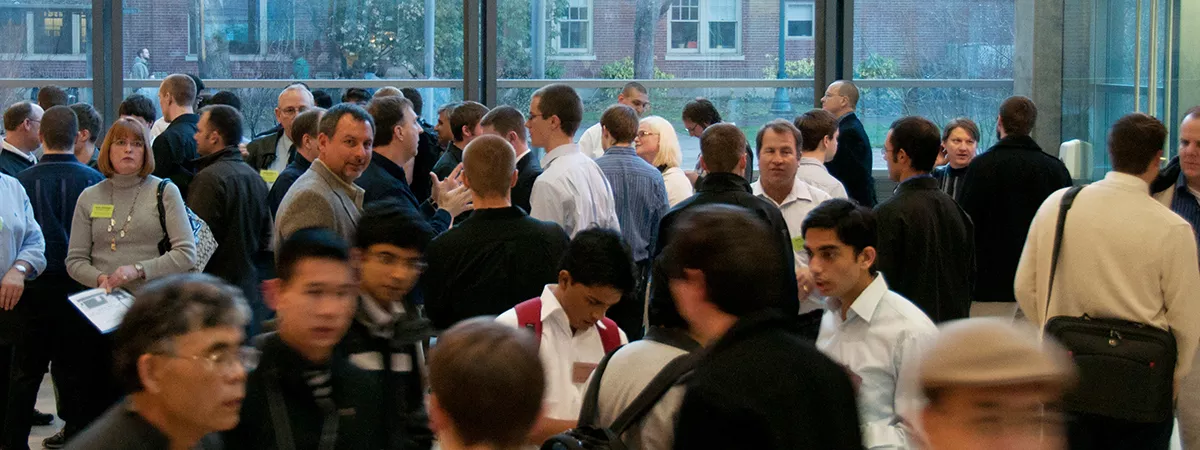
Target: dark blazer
{"type": "Point", "coordinates": [1002, 191]}
{"type": "Point", "coordinates": [175, 149]}
{"type": "Point", "coordinates": [732, 189]}
{"type": "Point", "coordinates": [761, 386]}
{"type": "Point", "coordinates": [428, 153]}
{"type": "Point", "coordinates": [53, 186]}
{"type": "Point", "coordinates": [11, 164]}
{"type": "Point", "coordinates": [385, 179]}
{"type": "Point", "coordinates": [852, 163]}
{"type": "Point", "coordinates": [232, 198]}
{"type": "Point", "coordinates": [450, 159]}
{"type": "Point", "coordinates": [927, 249]}
{"type": "Point", "coordinates": [262, 151]}
{"type": "Point", "coordinates": [286, 179]}
{"type": "Point", "coordinates": [493, 261]}
{"type": "Point", "coordinates": [528, 169]}
{"type": "Point", "coordinates": [355, 394]}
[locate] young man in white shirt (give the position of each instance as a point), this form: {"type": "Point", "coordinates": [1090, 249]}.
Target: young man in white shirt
{"type": "Point", "coordinates": [572, 191]}
{"type": "Point", "coordinates": [1123, 256]}
{"type": "Point", "coordinates": [818, 144]}
{"type": "Point", "coordinates": [597, 271]}
{"type": "Point", "coordinates": [871, 330]}
{"type": "Point", "coordinates": [633, 95]}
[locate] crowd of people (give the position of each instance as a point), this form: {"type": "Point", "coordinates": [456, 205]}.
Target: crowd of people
{"type": "Point", "coordinates": [358, 278]}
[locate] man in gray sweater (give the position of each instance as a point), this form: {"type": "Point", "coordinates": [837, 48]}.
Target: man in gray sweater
{"type": "Point", "coordinates": [326, 196]}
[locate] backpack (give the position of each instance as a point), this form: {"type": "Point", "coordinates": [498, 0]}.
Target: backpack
{"type": "Point", "coordinates": [529, 316]}
{"type": "Point", "coordinates": [206, 243]}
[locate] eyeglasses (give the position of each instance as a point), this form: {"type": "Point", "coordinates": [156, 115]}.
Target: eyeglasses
{"type": "Point", "coordinates": [692, 130]}
{"type": "Point", "coordinates": [291, 111]}
{"type": "Point", "coordinates": [643, 134]}
{"type": "Point", "coordinates": [223, 360]}
{"type": "Point", "coordinates": [389, 259]}
{"type": "Point", "coordinates": [530, 115]}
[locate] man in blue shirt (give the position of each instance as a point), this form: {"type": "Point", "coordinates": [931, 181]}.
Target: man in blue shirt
{"type": "Point", "coordinates": [641, 202]}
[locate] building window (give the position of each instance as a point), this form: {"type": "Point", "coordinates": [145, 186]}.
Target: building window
{"type": "Point", "coordinates": [705, 26]}
{"type": "Point", "coordinates": [574, 28]}
{"type": "Point", "coordinates": [44, 31]}
{"type": "Point", "coordinates": [244, 27]}
{"type": "Point", "coordinates": [800, 20]}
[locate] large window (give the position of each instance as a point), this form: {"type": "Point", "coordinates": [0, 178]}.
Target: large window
{"type": "Point", "coordinates": [37, 31]}
{"type": "Point", "coordinates": [800, 19]}
{"type": "Point", "coordinates": [574, 28]}
{"type": "Point", "coordinates": [705, 26]}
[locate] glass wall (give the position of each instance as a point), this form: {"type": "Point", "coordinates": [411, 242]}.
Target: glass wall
{"type": "Point", "coordinates": [45, 40]}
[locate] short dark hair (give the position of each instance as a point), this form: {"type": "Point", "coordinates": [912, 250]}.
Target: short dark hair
{"type": "Point", "coordinates": [306, 123]}
{"type": "Point", "coordinates": [781, 126]}
{"type": "Point", "coordinates": [329, 121]}
{"type": "Point", "coordinates": [621, 122]}
{"type": "Point", "coordinates": [355, 95]}
{"type": "Point", "coordinates": [388, 221]}
{"type": "Point", "coordinates": [226, 121]}
{"type": "Point", "coordinates": [51, 96]}
{"type": "Point", "coordinates": [733, 249]}
{"type": "Point", "coordinates": [59, 129]}
{"type": "Point", "coordinates": [966, 124]}
{"type": "Point", "coordinates": [89, 119]}
{"type": "Point", "coordinates": [170, 307]}
{"type": "Point", "coordinates": [815, 125]}
{"type": "Point", "coordinates": [505, 119]}
{"type": "Point", "coordinates": [635, 86]}
{"type": "Point", "coordinates": [721, 147]}
{"type": "Point", "coordinates": [701, 111]}
{"type": "Point", "coordinates": [488, 163]}
{"type": "Point", "coordinates": [16, 114]}
{"type": "Point", "coordinates": [480, 367]}
{"type": "Point", "coordinates": [919, 139]}
{"type": "Point", "coordinates": [1018, 114]}
{"type": "Point", "coordinates": [388, 112]}
{"type": "Point", "coordinates": [600, 257]}
{"type": "Point", "coordinates": [854, 224]}
{"type": "Point", "coordinates": [309, 243]}
{"type": "Point", "coordinates": [199, 83]}
{"type": "Point", "coordinates": [1134, 142]}
{"type": "Point", "coordinates": [414, 97]}
{"type": "Point", "coordinates": [181, 89]}
{"type": "Point", "coordinates": [226, 98]}
{"type": "Point", "coordinates": [561, 100]}
{"type": "Point", "coordinates": [138, 105]}
{"type": "Point", "coordinates": [466, 114]}
{"type": "Point", "coordinates": [322, 99]}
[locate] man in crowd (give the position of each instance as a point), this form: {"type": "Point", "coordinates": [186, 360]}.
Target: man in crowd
{"type": "Point", "coordinates": [852, 163]}
{"type": "Point", "coordinates": [390, 241]}
{"type": "Point", "coordinates": [480, 367]}
{"type": "Point", "coordinates": [179, 355]}
{"type": "Point", "coordinates": [271, 154]}
{"type": "Point", "coordinates": [818, 145]}
{"type": "Point", "coordinates": [141, 65]}
{"type": "Point", "coordinates": [572, 190]}
{"type": "Point", "coordinates": [633, 95]}
{"type": "Point", "coordinates": [698, 115]}
{"type": "Point", "coordinates": [51, 96]}
{"type": "Point", "coordinates": [90, 124]}
{"type": "Point", "coordinates": [464, 125]}
{"type": "Point", "coordinates": [138, 107]}
{"type": "Point", "coordinates": [960, 140]}
{"type": "Point", "coordinates": [926, 249]}
{"type": "Point", "coordinates": [176, 146]}
{"type": "Point", "coordinates": [1001, 193]}
{"type": "Point", "coordinates": [723, 156]}
{"type": "Point", "coordinates": [325, 196]}
{"type": "Point", "coordinates": [160, 125]}
{"type": "Point", "coordinates": [641, 201]}
{"type": "Point", "coordinates": [357, 96]}
{"type": "Point", "coordinates": [868, 328]}
{"type": "Point", "coordinates": [306, 128]}
{"type": "Point", "coordinates": [52, 330]}
{"type": "Point", "coordinates": [428, 151]}
{"type": "Point", "coordinates": [508, 123]}
{"type": "Point", "coordinates": [232, 198]}
{"type": "Point", "coordinates": [1141, 268]}
{"type": "Point", "coordinates": [23, 256]}
{"type": "Point", "coordinates": [988, 383]}
{"type": "Point", "coordinates": [568, 318]}
{"type": "Point", "coordinates": [500, 256]}
{"type": "Point", "coordinates": [445, 135]}
{"type": "Point", "coordinates": [303, 392]}
{"type": "Point", "coordinates": [720, 267]}
{"type": "Point", "coordinates": [22, 123]}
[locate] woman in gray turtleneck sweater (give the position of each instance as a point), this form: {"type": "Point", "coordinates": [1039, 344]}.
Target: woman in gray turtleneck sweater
{"type": "Point", "coordinates": [116, 229]}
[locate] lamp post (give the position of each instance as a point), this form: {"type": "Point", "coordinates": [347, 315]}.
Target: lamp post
{"type": "Point", "coordinates": [782, 105]}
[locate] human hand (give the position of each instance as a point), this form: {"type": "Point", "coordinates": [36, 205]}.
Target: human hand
{"type": "Point", "coordinates": [119, 277]}
{"type": "Point", "coordinates": [804, 282]}
{"type": "Point", "coordinates": [456, 201]}
{"type": "Point", "coordinates": [11, 288]}
{"type": "Point", "coordinates": [245, 151]}
{"type": "Point", "coordinates": [444, 186]}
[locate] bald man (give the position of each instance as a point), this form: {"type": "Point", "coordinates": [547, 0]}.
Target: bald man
{"type": "Point", "coordinates": [852, 163]}
{"type": "Point", "coordinates": [271, 153]}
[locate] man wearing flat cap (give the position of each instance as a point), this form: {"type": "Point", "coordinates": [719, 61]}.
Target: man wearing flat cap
{"type": "Point", "coordinates": [991, 384]}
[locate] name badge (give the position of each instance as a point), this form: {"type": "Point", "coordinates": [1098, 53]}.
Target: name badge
{"type": "Point", "coordinates": [581, 371]}
{"type": "Point", "coordinates": [798, 244]}
{"type": "Point", "coordinates": [102, 211]}
{"type": "Point", "coordinates": [269, 175]}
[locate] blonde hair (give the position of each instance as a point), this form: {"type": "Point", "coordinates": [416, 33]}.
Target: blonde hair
{"type": "Point", "coordinates": [669, 153]}
{"type": "Point", "coordinates": [126, 128]}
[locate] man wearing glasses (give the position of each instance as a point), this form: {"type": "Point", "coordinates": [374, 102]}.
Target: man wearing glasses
{"type": "Point", "coordinates": [271, 154]}
{"type": "Point", "coordinates": [179, 354]}
{"type": "Point", "coordinates": [22, 123]}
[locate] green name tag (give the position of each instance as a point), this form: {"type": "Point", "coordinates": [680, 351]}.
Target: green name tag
{"type": "Point", "coordinates": [798, 244]}
{"type": "Point", "coordinates": [102, 211]}
{"type": "Point", "coordinates": [269, 175]}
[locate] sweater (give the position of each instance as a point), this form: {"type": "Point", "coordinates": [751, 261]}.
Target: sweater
{"type": "Point", "coordinates": [90, 254]}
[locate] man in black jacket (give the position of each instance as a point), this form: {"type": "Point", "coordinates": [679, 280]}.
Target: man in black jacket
{"type": "Point", "coordinates": [464, 123]}
{"type": "Point", "coordinates": [386, 338]}
{"type": "Point", "coordinates": [508, 123]}
{"type": "Point", "coordinates": [926, 247]}
{"type": "Point", "coordinates": [723, 156]}
{"type": "Point", "coordinates": [305, 131]}
{"type": "Point", "coordinates": [759, 385]}
{"type": "Point", "coordinates": [232, 199]}
{"type": "Point", "coordinates": [176, 147]}
{"type": "Point", "coordinates": [1002, 190]}
{"type": "Point", "coordinates": [852, 163]}
{"type": "Point", "coordinates": [304, 391]}
{"type": "Point", "coordinates": [270, 154]}
{"type": "Point", "coordinates": [428, 150]}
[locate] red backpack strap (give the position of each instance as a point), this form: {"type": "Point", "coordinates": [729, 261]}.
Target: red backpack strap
{"type": "Point", "coordinates": [610, 335]}
{"type": "Point", "coordinates": [529, 315]}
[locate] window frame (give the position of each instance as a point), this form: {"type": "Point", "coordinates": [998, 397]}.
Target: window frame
{"type": "Point", "coordinates": [703, 36]}
{"type": "Point", "coordinates": [262, 32]}
{"type": "Point", "coordinates": [590, 23]}
{"type": "Point", "coordinates": [813, 18]}
{"type": "Point", "coordinates": [72, 16]}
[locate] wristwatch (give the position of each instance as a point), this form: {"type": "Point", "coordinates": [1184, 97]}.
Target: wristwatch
{"type": "Point", "coordinates": [21, 268]}
{"type": "Point", "coordinates": [141, 270]}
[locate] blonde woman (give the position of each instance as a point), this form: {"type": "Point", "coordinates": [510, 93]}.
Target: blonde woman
{"type": "Point", "coordinates": [658, 144]}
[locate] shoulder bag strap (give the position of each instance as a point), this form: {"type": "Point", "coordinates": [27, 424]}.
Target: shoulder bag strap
{"type": "Point", "coordinates": [165, 244]}
{"type": "Point", "coordinates": [658, 387]}
{"type": "Point", "coordinates": [279, 413]}
{"type": "Point", "coordinates": [529, 315]}
{"type": "Point", "coordinates": [610, 335]}
{"type": "Point", "coordinates": [591, 398]}
{"type": "Point", "coordinates": [1067, 200]}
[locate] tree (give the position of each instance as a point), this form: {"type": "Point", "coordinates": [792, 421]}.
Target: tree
{"type": "Point", "coordinates": [649, 12]}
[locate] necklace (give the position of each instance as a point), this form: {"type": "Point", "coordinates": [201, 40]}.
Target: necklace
{"type": "Point", "coordinates": [112, 221]}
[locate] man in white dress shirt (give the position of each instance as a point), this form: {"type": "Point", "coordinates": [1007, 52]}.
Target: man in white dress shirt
{"type": "Point", "coordinates": [1124, 256]}
{"type": "Point", "coordinates": [874, 332]}
{"type": "Point", "coordinates": [572, 191]}
{"type": "Point", "coordinates": [818, 145]}
{"type": "Point", "coordinates": [633, 95]}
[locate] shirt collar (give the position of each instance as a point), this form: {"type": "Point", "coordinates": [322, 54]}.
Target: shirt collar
{"type": "Point", "coordinates": [560, 151]}
{"type": "Point", "coordinates": [389, 166]}
{"type": "Point", "coordinates": [624, 151]}
{"type": "Point", "coordinates": [350, 189]}
{"type": "Point", "coordinates": [808, 160]}
{"type": "Point", "coordinates": [60, 158]}
{"type": "Point", "coordinates": [723, 181]}
{"type": "Point", "coordinates": [867, 302]}
{"type": "Point", "coordinates": [550, 305]}
{"type": "Point", "coordinates": [508, 212]}
{"type": "Point", "coordinates": [230, 153]}
{"type": "Point", "coordinates": [1126, 182]}
{"type": "Point", "coordinates": [12, 148]}
{"type": "Point", "coordinates": [799, 192]}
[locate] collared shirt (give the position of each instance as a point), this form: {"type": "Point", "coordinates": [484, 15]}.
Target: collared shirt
{"type": "Point", "coordinates": [573, 192]}
{"type": "Point", "coordinates": [560, 350]}
{"type": "Point", "coordinates": [795, 207]}
{"type": "Point", "coordinates": [813, 171]}
{"type": "Point", "coordinates": [283, 147]}
{"type": "Point", "coordinates": [20, 235]}
{"type": "Point", "coordinates": [640, 194]}
{"type": "Point", "coordinates": [879, 342]}
{"type": "Point", "coordinates": [12, 148]}
{"type": "Point", "coordinates": [590, 143]}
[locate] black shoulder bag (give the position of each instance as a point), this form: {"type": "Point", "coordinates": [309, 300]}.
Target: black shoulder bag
{"type": "Point", "coordinates": [1126, 369]}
